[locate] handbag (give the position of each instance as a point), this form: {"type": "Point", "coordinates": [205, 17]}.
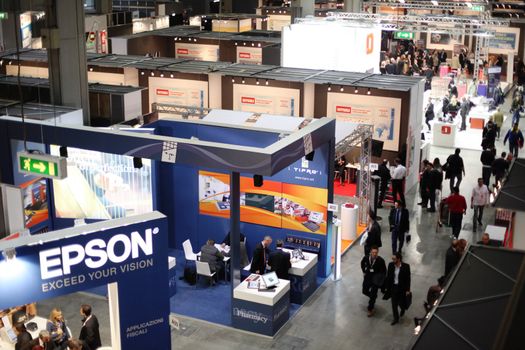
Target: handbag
{"type": "Point", "coordinates": [364, 237]}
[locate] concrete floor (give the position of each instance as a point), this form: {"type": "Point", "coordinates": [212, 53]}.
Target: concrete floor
{"type": "Point", "coordinates": [335, 317]}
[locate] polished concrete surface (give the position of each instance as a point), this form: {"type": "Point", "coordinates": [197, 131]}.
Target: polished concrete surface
{"type": "Point", "coordinates": [335, 317]}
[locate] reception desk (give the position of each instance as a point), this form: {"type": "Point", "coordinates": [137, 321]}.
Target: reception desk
{"type": "Point", "coordinates": [263, 312]}
{"type": "Point", "coordinates": [303, 277]}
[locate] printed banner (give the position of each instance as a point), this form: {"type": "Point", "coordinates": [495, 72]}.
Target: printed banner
{"type": "Point", "coordinates": [383, 113]}
{"type": "Point", "coordinates": [199, 52]}
{"type": "Point", "coordinates": [505, 41]}
{"type": "Point", "coordinates": [249, 55]}
{"type": "Point", "coordinates": [191, 93]}
{"type": "Point", "coordinates": [265, 99]}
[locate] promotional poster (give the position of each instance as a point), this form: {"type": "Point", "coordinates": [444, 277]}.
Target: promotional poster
{"type": "Point", "coordinates": [180, 92]}
{"type": "Point", "coordinates": [199, 52]}
{"type": "Point", "coordinates": [266, 99]}
{"type": "Point", "coordinates": [249, 55]}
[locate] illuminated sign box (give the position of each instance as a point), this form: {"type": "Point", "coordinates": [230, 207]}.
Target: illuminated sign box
{"type": "Point", "coordinates": [42, 165]}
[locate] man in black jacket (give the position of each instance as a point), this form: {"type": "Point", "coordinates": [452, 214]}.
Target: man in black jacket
{"type": "Point", "coordinates": [487, 158]}
{"type": "Point", "coordinates": [23, 337]}
{"type": "Point", "coordinates": [89, 333]}
{"type": "Point", "coordinates": [397, 286]}
{"type": "Point", "coordinates": [424, 182]}
{"type": "Point", "coordinates": [384, 173]}
{"type": "Point", "coordinates": [455, 169]}
{"type": "Point", "coordinates": [260, 256]}
{"type": "Point", "coordinates": [399, 225]}
{"type": "Point", "coordinates": [279, 261]}
{"type": "Point", "coordinates": [500, 167]}
{"type": "Point", "coordinates": [374, 233]}
{"type": "Point", "coordinates": [211, 255]}
{"type": "Point", "coordinates": [435, 182]}
{"type": "Point", "coordinates": [452, 257]}
{"type": "Point", "coordinates": [374, 272]}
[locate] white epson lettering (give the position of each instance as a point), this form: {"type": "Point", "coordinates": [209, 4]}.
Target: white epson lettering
{"type": "Point", "coordinates": [111, 248]}
{"type": "Point", "coordinates": [94, 249]}
{"type": "Point", "coordinates": [68, 260]}
{"type": "Point", "coordinates": [58, 262]}
{"type": "Point", "coordinates": [46, 263]}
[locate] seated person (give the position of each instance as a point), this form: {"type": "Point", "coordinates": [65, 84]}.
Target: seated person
{"type": "Point", "coordinates": [213, 257]}
{"type": "Point", "coordinates": [226, 240]}
{"type": "Point", "coordinates": [279, 261]}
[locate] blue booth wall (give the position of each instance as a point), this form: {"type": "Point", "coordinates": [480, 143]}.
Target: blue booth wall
{"type": "Point", "coordinates": [178, 191]}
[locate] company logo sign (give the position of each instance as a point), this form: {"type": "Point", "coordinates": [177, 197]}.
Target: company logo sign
{"type": "Point", "coordinates": [245, 55]}
{"type": "Point", "coordinates": [248, 100]}
{"type": "Point", "coordinates": [182, 51]}
{"type": "Point", "coordinates": [343, 109]}
{"type": "Point", "coordinates": [369, 43]}
{"type": "Point", "coordinates": [162, 92]}
{"type": "Point", "coordinates": [58, 262]}
{"type": "Point", "coordinates": [254, 316]}
{"type": "Point", "coordinates": [446, 130]}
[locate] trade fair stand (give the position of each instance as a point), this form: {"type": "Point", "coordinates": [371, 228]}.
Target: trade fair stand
{"type": "Point", "coordinates": [196, 154]}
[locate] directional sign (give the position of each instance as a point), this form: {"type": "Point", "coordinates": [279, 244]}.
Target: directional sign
{"type": "Point", "coordinates": [42, 165]}
{"type": "Point", "coordinates": [479, 8]}
{"type": "Point", "coordinates": [404, 35]}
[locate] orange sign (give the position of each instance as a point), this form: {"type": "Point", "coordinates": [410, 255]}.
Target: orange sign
{"type": "Point", "coordinates": [369, 43]}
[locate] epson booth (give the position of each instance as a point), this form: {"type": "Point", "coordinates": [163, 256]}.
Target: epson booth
{"type": "Point", "coordinates": [215, 182]}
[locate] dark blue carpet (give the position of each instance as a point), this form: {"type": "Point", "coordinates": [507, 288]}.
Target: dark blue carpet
{"type": "Point", "coordinates": [212, 304]}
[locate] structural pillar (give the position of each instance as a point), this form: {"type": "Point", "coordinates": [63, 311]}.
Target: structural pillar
{"type": "Point", "coordinates": [235, 229]}
{"type": "Point", "coordinates": [308, 7]}
{"type": "Point", "coordinates": [352, 6]}
{"type": "Point", "coordinates": [65, 41]}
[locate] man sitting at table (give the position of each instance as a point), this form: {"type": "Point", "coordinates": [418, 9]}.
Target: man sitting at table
{"type": "Point", "coordinates": [260, 256]}
{"type": "Point", "coordinates": [213, 257]}
{"type": "Point", "coordinates": [279, 261]}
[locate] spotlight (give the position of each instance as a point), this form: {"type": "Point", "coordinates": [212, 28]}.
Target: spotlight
{"type": "Point", "coordinates": [310, 156]}
{"type": "Point", "coordinates": [342, 89]}
{"type": "Point", "coordinates": [258, 180]}
{"type": "Point", "coordinates": [152, 74]}
{"type": "Point", "coordinates": [63, 151]}
{"type": "Point", "coordinates": [267, 82]}
{"type": "Point", "coordinates": [236, 44]}
{"type": "Point", "coordinates": [10, 62]}
{"type": "Point", "coordinates": [243, 81]}
{"type": "Point", "coordinates": [137, 162]}
{"type": "Point", "coordinates": [253, 44]}
{"type": "Point", "coordinates": [1, 62]}
{"type": "Point", "coordinates": [356, 90]}
{"type": "Point", "coordinates": [259, 45]}
{"type": "Point", "coordinates": [195, 40]}
{"type": "Point", "coordinates": [368, 91]}
{"type": "Point", "coordinates": [329, 87]}
{"type": "Point", "coordinates": [233, 80]}
{"type": "Point", "coordinates": [171, 75]}
{"type": "Point", "coordinates": [256, 81]}
{"type": "Point", "coordinates": [91, 69]}
{"type": "Point", "coordinates": [244, 44]}
{"type": "Point", "coordinates": [141, 73]}
{"type": "Point", "coordinates": [162, 75]}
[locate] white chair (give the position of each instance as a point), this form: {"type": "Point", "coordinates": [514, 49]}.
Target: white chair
{"type": "Point", "coordinates": [203, 269]}
{"type": "Point", "coordinates": [189, 255]}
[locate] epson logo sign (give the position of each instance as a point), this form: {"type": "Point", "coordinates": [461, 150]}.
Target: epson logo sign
{"type": "Point", "coordinates": [57, 262]}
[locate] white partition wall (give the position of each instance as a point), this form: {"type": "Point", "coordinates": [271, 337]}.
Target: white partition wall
{"type": "Point", "coordinates": [331, 46]}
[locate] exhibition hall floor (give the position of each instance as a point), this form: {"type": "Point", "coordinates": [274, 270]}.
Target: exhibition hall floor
{"type": "Point", "coordinates": [335, 316]}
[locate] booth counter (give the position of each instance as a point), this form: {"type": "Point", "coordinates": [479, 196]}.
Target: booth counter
{"type": "Point", "coordinates": [261, 311]}
{"type": "Point", "coordinates": [303, 277]}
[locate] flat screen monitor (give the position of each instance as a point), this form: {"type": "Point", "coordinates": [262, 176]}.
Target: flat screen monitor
{"type": "Point", "coordinates": [316, 217]}
{"type": "Point", "coordinates": [270, 279]}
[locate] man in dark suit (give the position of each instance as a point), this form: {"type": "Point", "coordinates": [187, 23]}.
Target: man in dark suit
{"type": "Point", "coordinates": [279, 261]}
{"type": "Point", "coordinates": [89, 333]}
{"type": "Point", "coordinates": [452, 257]}
{"type": "Point", "coordinates": [399, 225]}
{"type": "Point", "coordinates": [42, 342]}
{"type": "Point", "coordinates": [213, 257]}
{"type": "Point", "coordinates": [374, 233]}
{"type": "Point", "coordinates": [397, 286]}
{"type": "Point", "coordinates": [260, 256]}
{"type": "Point", "coordinates": [384, 173]}
{"type": "Point", "coordinates": [374, 272]}
{"type": "Point", "coordinates": [22, 336]}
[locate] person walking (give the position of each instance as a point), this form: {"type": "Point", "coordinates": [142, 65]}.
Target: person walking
{"type": "Point", "coordinates": [384, 173]}
{"type": "Point", "coordinates": [515, 138]}
{"type": "Point", "coordinates": [399, 225]}
{"type": "Point", "coordinates": [434, 185]}
{"type": "Point", "coordinates": [424, 181]}
{"type": "Point", "coordinates": [374, 233]}
{"type": "Point", "coordinates": [429, 115]}
{"type": "Point", "coordinates": [487, 158]}
{"type": "Point", "coordinates": [457, 205]}
{"type": "Point", "coordinates": [488, 135]}
{"type": "Point", "coordinates": [499, 168]}
{"type": "Point", "coordinates": [478, 200]}
{"type": "Point", "coordinates": [398, 176]}
{"type": "Point", "coordinates": [397, 286]}
{"type": "Point", "coordinates": [374, 273]}
{"type": "Point", "coordinates": [498, 120]}
{"type": "Point", "coordinates": [455, 169]}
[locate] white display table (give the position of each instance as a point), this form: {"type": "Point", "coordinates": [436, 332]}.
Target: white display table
{"type": "Point", "coordinates": [349, 222]}
{"type": "Point", "coordinates": [261, 312]}
{"type": "Point", "coordinates": [444, 134]}
{"type": "Point", "coordinates": [303, 277]}
{"type": "Point", "coordinates": [496, 233]}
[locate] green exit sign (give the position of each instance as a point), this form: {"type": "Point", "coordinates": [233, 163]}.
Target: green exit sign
{"type": "Point", "coordinates": [3, 15]}
{"type": "Point", "coordinates": [42, 165]}
{"type": "Point", "coordinates": [404, 35]}
{"type": "Point", "coordinates": [479, 8]}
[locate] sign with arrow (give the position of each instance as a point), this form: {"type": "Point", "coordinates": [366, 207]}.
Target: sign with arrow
{"type": "Point", "coordinates": [404, 35]}
{"type": "Point", "coordinates": [42, 165]}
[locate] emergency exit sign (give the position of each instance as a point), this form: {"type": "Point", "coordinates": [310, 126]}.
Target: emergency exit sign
{"type": "Point", "coordinates": [479, 8]}
{"type": "Point", "coordinates": [42, 165]}
{"type": "Point", "coordinates": [3, 15]}
{"type": "Point", "coordinates": [404, 35]}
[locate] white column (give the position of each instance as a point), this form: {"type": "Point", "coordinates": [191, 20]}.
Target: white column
{"type": "Point", "coordinates": [114, 316]}
{"type": "Point", "coordinates": [510, 68]}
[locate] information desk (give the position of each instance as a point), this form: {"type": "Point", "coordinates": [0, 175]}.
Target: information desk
{"type": "Point", "coordinates": [303, 277]}
{"type": "Point", "coordinates": [261, 312]}
{"type": "Point", "coordinates": [41, 324]}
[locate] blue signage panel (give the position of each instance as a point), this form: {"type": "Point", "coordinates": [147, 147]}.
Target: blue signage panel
{"type": "Point", "coordinates": [134, 256]}
{"type": "Point", "coordinates": [504, 41]}
{"type": "Point", "coordinates": [302, 287]}
{"type": "Point", "coordinates": [260, 318]}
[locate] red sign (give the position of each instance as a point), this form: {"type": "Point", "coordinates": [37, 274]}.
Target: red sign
{"type": "Point", "coordinates": [249, 100]}
{"type": "Point", "coordinates": [446, 130]}
{"type": "Point", "coordinates": [163, 92]}
{"type": "Point", "coordinates": [245, 55]}
{"type": "Point", "coordinates": [369, 43]}
{"type": "Point", "coordinates": [92, 36]}
{"type": "Point", "coordinates": [343, 109]}
{"type": "Point", "coordinates": [182, 51]}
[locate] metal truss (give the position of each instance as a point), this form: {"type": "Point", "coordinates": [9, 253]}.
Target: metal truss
{"type": "Point", "coordinates": [185, 112]}
{"type": "Point", "coordinates": [428, 5]}
{"type": "Point", "coordinates": [360, 137]}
